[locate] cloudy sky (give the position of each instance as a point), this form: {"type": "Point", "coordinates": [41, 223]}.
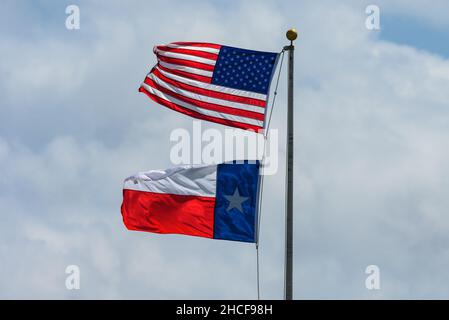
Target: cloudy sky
{"type": "Point", "coordinates": [371, 153]}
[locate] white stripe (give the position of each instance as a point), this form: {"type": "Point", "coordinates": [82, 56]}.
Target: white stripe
{"type": "Point", "coordinates": [203, 85]}
{"type": "Point", "coordinates": [183, 56]}
{"type": "Point", "coordinates": [203, 111]}
{"type": "Point", "coordinates": [186, 69]}
{"type": "Point", "coordinates": [191, 180]}
{"type": "Point", "coordinates": [206, 99]}
{"type": "Point", "coordinates": [204, 49]}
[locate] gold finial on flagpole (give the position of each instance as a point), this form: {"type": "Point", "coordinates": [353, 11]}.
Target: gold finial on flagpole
{"type": "Point", "coordinates": [292, 34]}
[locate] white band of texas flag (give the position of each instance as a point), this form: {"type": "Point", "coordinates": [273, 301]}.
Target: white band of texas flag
{"type": "Point", "coordinates": [213, 82]}
{"type": "Point", "coordinates": [212, 201]}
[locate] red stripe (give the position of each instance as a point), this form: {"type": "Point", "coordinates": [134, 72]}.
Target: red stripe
{"type": "Point", "coordinates": [196, 53]}
{"type": "Point", "coordinates": [186, 74]}
{"type": "Point", "coordinates": [207, 105]}
{"type": "Point", "coordinates": [168, 213]}
{"type": "Point", "coordinates": [187, 63]}
{"type": "Point", "coordinates": [198, 44]}
{"type": "Point", "coordinates": [198, 115]}
{"type": "Point", "coordinates": [210, 93]}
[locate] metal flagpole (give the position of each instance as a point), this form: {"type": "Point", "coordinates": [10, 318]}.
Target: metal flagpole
{"type": "Point", "coordinates": [291, 35]}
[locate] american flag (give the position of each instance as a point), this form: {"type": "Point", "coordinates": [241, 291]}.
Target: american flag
{"type": "Point", "coordinates": [212, 82]}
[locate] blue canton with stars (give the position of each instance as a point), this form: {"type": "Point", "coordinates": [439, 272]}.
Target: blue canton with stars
{"type": "Point", "coordinates": [244, 69]}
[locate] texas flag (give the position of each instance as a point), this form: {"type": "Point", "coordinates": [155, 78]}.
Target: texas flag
{"type": "Point", "coordinates": [211, 201]}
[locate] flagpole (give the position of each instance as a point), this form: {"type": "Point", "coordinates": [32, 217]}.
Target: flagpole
{"type": "Point", "coordinates": [291, 35]}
